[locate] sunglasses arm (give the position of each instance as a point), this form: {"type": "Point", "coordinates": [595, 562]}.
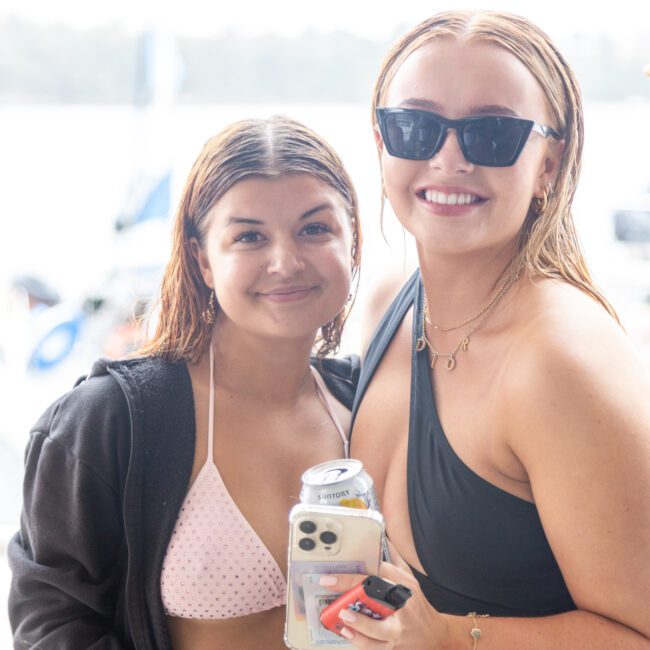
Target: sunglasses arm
{"type": "Point", "coordinates": [546, 131]}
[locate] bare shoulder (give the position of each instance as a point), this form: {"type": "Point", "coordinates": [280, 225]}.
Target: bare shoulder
{"type": "Point", "coordinates": [567, 343]}
{"type": "Point", "coordinates": [570, 361]}
{"type": "Point", "coordinates": [378, 297]}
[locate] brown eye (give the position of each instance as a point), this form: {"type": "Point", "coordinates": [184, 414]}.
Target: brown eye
{"type": "Point", "coordinates": [316, 229]}
{"type": "Point", "coordinates": [249, 237]}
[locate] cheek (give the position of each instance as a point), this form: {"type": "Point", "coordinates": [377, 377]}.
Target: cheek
{"type": "Point", "coordinates": [233, 273]}
{"type": "Point", "coordinates": [337, 263]}
{"type": "Point", "coordinates": [395, 173]}
{"type": "Point", "coordinates": [335, 267]}
{"type": "Point", "coordinates": [524, 180]}
{"type": "Point", "coordinates": [398, 177]}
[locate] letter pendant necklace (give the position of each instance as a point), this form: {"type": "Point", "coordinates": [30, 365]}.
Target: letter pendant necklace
{"type": "Point", "coordinates": [479, 319]}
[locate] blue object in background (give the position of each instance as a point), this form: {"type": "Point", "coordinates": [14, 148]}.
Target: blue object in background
{"type": "Point", "coordinates": [147, 201]}
{"type": "Point", "coordinates": [156, 205]}
{"type": "Point", "coordinates": [56, 345]}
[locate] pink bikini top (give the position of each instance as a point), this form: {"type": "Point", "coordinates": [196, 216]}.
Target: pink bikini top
{"type": "Point", "coordinates": [216, 566]}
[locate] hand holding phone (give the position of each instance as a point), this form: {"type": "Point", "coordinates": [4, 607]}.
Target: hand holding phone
{"type": "Point", "coordinates": [374, 597]}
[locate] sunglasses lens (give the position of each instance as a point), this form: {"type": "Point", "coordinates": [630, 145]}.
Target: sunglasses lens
{"type": "Point", "coordinates": [411, 135]}
{"type": "Point", "coordinates": [494, 141]}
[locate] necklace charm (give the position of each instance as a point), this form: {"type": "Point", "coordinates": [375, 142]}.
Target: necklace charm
{"type": "Point", "coordinates": [423, 341]}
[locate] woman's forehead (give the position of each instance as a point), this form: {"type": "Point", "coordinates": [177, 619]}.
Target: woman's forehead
{"type": "Point", "coordinates": [463, 76]}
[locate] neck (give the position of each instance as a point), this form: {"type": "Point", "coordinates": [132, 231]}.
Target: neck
{"type": "Point", "coordinates": [458, 287]}
{"type": "Point", "coordinates": [261, 369]}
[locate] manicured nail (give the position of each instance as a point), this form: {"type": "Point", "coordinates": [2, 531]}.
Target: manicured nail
{"type": "Point", "coordinates": [348, 634]}
{"type": "Point", "coordinates": [327, 581]}
{"type": "Point", "coordinates": [347, 616]}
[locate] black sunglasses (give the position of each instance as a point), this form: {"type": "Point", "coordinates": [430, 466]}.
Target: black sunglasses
{"type": "Point", "coordinates": [487, 140]}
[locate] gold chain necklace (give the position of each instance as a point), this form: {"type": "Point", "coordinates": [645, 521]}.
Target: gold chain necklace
{"type": "Point", "coordinates": [424, 342]}
{"type": "Point", "coordinates": [494, 300]}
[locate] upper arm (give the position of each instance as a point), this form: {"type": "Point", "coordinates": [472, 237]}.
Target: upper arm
{"type": "Point", "coordinates": [65, 560]}
{"type": "Point", "coordinates": [581, 428]}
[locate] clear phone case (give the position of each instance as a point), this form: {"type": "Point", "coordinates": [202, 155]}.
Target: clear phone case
{"type": "Point", "coordinates": [325, 539]}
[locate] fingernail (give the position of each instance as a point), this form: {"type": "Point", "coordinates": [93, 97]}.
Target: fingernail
{"type": "Point", "coordinates": [347, 616]}
{"type": "Point", "coordinates": [347, 633]}
{"type": "Point", "coordinates": [327, 581]}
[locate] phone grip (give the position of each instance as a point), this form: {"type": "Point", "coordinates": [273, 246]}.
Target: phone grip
{"type": "Point", "coordinates": [374, 597]}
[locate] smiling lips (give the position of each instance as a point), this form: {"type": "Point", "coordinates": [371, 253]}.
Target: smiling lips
{"type": "Point", "coordinates": [287, 294]}
{"type": "Point", "coordinates": [449, 203]}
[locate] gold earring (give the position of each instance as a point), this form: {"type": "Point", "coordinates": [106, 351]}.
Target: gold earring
{"type": "Point", "coordinates": [540, 203]}
{"type": "Point", "coordinates": [210, 314]}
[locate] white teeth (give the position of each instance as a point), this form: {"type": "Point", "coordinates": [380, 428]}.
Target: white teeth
{"type": "Point", "coordinates": [450, 199]}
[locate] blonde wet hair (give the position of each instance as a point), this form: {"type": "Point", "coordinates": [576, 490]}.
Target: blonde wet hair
{"type": "Point", "coordinates": [548, 245]}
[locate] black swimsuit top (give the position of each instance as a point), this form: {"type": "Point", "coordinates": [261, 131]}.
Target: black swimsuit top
{"type": "Point", "coordinates": [483, 549]}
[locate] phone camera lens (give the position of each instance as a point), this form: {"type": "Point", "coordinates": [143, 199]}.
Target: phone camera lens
{"type": "Point", "coordinates": [307, 527]}
{"type": "Point", "coordinates": [307, 544]}
{"type": "Point", "coordinates": [328, 537]}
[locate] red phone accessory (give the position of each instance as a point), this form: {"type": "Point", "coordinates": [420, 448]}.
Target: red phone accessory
{"type": "Point", "coordinates": [374, 597]}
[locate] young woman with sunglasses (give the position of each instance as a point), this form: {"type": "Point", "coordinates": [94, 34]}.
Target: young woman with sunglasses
{"type": "Point", "coordinates": [501, 410]}
{"type": "Point", "coordinates": [157, 492]}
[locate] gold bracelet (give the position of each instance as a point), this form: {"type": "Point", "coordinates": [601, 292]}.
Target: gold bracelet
{"type": "Point", "coordinates": [476, 630]}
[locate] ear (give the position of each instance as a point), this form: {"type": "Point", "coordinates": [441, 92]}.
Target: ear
{"type": "Point", "coordinates": [549, 168]}
{"type": "Point", "coordinates": [202, 261]}
{"type": "Point", "coordinates": [379, 143]}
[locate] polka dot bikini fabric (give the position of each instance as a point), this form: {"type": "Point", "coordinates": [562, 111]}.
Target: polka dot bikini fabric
{"type": "Point", "coordinates": [216, 566]}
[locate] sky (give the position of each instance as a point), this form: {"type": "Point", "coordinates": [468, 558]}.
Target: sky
{"type": "Point", "coordinates": [377, 19]}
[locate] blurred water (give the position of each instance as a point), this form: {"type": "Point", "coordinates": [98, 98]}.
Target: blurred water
{"type": "Point", "coordinates": [65, 171]}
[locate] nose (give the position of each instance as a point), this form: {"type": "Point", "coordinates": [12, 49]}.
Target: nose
{"type": "Point", "coordinates": [285, 258]}
{"type": "Point", "coordinates": [450, 158]}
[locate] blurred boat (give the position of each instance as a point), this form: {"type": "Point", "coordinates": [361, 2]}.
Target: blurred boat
{"type": "Point", "coordinates": [45, 330]}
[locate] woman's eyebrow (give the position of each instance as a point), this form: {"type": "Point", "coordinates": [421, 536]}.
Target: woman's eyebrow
{"type": "Point", "coordinates": [234, 220]}
{"type": "Point", "coordinates": [425, 104]}
{"type": "Point", "coordinates": [240, 219]}
{"type": "Point", "coordinates": [482, 109]}
{"type": "Point", "coordinates": [323, 206]}
{"type": "Point", "coordinates": [492, 109]}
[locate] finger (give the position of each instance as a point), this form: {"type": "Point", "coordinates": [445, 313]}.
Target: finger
{"type": "Point", "coordinates": [361, 642]}
{"type": "Point", "coordinates": [401, 576]}
{"type": "Point", "coordinates": [385, 630]}
{"type": "Point", "coordinates": [394, 573]}
{"type": "Point", "coordinates": [341, 581]}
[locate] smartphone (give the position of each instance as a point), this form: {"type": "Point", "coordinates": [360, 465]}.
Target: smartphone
{"type": "Point", "coordinates": [325, 539]}
{"type": "Point", "coordinates": [374, 597]}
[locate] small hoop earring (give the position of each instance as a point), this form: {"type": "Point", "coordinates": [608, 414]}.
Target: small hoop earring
{"type": "Point", "coordinates": [540, 203]}
{"type": "Point", "coordinates": [210, 314]}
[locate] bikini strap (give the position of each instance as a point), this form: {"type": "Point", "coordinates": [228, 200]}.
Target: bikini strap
{"type": "Point", "coordinates": [383, 336]}
{"type": "Point", "coordinates": [211, 409]}
{"type": "Point", "coordinates": [325, 398]}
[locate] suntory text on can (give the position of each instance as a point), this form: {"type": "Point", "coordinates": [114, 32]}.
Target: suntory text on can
{"type": "Point", "coordinates": [341, 482]}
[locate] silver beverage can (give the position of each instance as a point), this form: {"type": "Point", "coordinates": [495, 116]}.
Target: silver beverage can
{"type": "Point", "coordinates": [341, 482]}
